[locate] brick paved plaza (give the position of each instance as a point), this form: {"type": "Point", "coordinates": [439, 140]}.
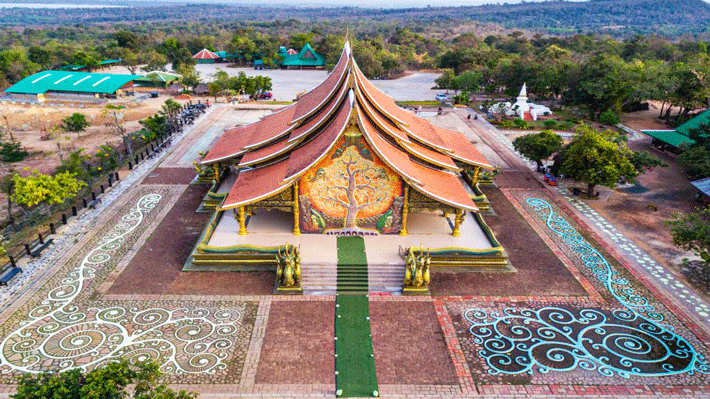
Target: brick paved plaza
{"type": "Point", "coordinates": [580, 317]}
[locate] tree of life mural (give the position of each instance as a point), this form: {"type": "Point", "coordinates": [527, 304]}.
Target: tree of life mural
{"type": "Point", "coordinates": [351, 192]}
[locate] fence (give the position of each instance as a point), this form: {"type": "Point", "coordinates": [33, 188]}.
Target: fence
{"type": "Point", "coordinates": [90, 200]}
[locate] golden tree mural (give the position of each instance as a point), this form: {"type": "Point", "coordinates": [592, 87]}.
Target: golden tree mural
{"type": "Point", "coordinates": [352, 185]}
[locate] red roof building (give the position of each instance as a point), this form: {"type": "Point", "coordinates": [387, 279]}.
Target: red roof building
{"type": "Point", "coordinates": [345, 159]}
{"type": "Point", "coordinates": [205, 56]}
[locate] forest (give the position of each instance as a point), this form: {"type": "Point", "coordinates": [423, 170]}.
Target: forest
{"type": "Point", "coordinates": [619, 18]}
{"type": "Point", "coordinates": [595, 73]}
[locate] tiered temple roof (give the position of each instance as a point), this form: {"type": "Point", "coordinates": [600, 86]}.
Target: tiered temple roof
{"type": "Point", "coordinates": [273, 153]}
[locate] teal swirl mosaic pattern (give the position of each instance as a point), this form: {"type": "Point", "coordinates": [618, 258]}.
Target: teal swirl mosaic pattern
{"type": "Point", "coordinates": [631, 341]}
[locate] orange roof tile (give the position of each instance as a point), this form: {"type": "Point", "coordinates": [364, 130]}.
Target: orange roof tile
{"type": "Point", "coordinates": [254, 184]}
{"type": "Point", "coordinates": [235, 142]}
{"type": "Point", "coordinates": [265, 153]}
{"type": "Point", "coordinates": [312, 151]}
{"type": "Point", "coordinates": [306, 128]}
{"type": "Point", "coordinates": [302, 134]}
{"type": "Point", "coordinates": [310, 102]}
{"type": "Point", "coordinates": [462, 149]}
{"type": "Point", "coordinates": [442, 186]}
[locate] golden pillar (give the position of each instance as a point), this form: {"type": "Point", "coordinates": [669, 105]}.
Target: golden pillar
{"type": "Point", "coordinates": [476, 171]}
{"type": "Point", "coordinates": [457, 222]}
{"type": "Point", "coordinates": [242, 221]}
{"type": "Point", "coordinates": [405, 210]}
{"type": "Point", "coordinates": [215, 169]}
{"type": "Point", "coordinates": [296, 211]}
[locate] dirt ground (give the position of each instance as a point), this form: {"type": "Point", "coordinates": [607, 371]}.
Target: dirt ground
{"type": "Point", "coordinates": [641, 212]}
{"type": "Point", "coordinates": [36, 127]}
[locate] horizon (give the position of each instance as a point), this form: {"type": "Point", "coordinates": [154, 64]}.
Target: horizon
{"type": "Point", "coordinates": [376, 4]}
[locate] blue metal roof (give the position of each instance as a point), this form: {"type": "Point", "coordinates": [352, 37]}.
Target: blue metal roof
{"type": "Point", "coordinates": [703, 185]}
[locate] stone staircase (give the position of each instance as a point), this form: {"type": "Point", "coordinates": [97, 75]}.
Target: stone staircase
{"type": "Point", "coordinates": [323, 279]}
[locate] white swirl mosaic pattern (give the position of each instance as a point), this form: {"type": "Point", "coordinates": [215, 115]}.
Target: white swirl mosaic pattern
{"type": "Point", "coordinates": [58, 333]}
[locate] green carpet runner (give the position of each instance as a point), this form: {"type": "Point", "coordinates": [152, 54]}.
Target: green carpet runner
{"type": "Point", "coordinates": [352, 266]}
{"type": "Point", "coordinates": [354, 362]}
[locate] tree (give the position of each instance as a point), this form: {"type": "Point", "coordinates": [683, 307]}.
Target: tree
{"type": "Point", "coordinates": [114, 112]}
{"type": "Point", "coordinates": [691, 231]}
{"type": "Point", "coordinates": [76, 122]}
{"type": "Point", "coordinates": [14, 65]}
{"type": "Point", "coordinates": [596, 158]}
{"type": "Point", "coordinates": [538, 146]}
{"type": "Point", "coordinates": [77, 163]}
{"type": "Point", "coordinates": [696, 158]}
{"type": "Point", "coordinates": [7, 186]}
{"type": "Point", "coordinates": [298, 40]}
{"type": "Point", "coordinates": [40, 56]}
{"type": "Point", "coordinates": [190, 77]}
{"type": "Point", "coordinates": [108, 382]}
{"type": "Point", "coordinates": [176, 53]}
{"type": "Point", "coordinates": [609, 118]}
{"type": "Point", "coordinates": [602, 83]}
{"type": "Point", "coordinates": [170, 108]}
{"type": "Point", "coordinates": [644, 162]}
{"type": "Point", "coordinates": [12, 151]}
{"type": "Point", "coordinates": [127, 39]}
{"type": "Point", "coordinates": [39, 188]}
{"type": "Point", "coordinates": [87, 60]}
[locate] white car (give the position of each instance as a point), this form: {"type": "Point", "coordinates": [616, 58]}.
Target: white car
{"type": "Point", "coordinates": [442, 97]}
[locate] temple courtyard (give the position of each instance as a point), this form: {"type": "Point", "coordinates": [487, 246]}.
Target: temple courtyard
{"type": "Point", "coordinates": [580, 310]}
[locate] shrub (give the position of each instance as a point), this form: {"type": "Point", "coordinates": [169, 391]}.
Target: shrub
{"type": "Point", "coordinates": [12, 152]}
{"type": "Point", "coordinates": [521, 124]}
{"type": "Point", "coordinates": [609, 118]}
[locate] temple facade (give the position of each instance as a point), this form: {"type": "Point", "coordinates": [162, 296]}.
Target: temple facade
{"type": "Point", "coordinates": [346, 160]}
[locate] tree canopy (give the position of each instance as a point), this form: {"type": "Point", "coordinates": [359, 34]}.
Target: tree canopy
{"type": "Point", "coordinates": [108, 382]}
{"type": "Point", "coordinates": [39, 188]}
{"type": "Point", "coordinates": [597, 158]}
{"type": "Point", "coordinates": [75, 122]}
{"type": "Point", "coordinates": [538, 146]}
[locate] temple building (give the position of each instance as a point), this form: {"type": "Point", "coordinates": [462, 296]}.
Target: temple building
{"type": "Point", "coordinates": [345, 160]}
{"type": "Point", "coordinates": [306, 58]}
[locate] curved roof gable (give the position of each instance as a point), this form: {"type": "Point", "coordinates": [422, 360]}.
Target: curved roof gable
{"type": "Point", "coordinates": [284, 145]}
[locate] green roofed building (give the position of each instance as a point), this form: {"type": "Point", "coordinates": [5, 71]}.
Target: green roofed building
{"type": "Point", "coordinates": [681, 134]}
{"type": "Point", "coordinates": [306, 58]}
{"type": "Point", "coordinates": [158, 79]}
{"type": "Point", "coordinates": [70, 83]}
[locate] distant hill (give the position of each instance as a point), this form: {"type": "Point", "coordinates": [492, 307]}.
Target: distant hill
{"type": "Point", "coordinates": [615, 17]}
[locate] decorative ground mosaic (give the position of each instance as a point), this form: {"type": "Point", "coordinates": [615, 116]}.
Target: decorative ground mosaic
{"type": "Point", "coordinates": [65, 328]}
{"type": "Point", "coordinates": [634, 336]}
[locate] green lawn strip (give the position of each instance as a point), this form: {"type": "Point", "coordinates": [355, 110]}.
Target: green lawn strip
{"type": "Point", "coordinates": [355, 364]}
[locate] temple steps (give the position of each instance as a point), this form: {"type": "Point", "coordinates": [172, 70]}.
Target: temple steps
{"type": "Point", "coordinates": [323, 279]}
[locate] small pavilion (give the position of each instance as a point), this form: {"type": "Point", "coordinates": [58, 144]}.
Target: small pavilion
{"type": "Point", "coordinates": [205, 56]}
{"type": "Point", "coordinates": [306, 58]}
{"type": "Point", "coordinates": [673, 139]}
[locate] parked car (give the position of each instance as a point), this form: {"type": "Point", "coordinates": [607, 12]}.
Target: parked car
{"type": "Point", "coordinates": [441, 97]}
{"type": "Point", "coordinates": [265, 95]}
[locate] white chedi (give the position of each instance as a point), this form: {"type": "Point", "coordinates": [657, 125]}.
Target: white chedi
{"type": "Point", "coordinates": [520, 107]}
